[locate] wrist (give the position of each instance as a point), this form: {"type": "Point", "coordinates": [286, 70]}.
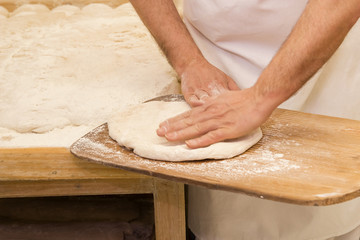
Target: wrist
{"type": "Point", "coordinates": [267, 100]}
{"type": "Point", "coordinates": [183, 64]}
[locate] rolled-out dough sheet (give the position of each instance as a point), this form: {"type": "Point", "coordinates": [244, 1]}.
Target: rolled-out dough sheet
{"type": "Point", "coordinates": [135, 128]}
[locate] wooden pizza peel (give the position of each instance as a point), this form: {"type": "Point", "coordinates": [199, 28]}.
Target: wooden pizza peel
{"type": "Point", "coordinates": [303, 159]}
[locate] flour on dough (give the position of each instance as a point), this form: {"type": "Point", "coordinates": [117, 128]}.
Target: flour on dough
{"type": "Point", "coordinates": [135, 128]}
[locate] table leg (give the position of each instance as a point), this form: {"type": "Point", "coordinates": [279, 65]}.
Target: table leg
{"type": "Point", "coordinates": [169, 204]}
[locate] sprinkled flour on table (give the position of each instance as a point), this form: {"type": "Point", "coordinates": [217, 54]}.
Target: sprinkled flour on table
{"type": "Point", "coordinates": [262, 160]}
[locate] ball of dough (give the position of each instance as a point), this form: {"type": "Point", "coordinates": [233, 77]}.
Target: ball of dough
{"type": "Point", "coordinates": [135, 128]}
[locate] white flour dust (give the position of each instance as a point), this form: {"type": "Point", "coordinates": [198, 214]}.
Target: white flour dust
{"type": "Point", "coordinates": [260, 162]}
{"type": "Point", "coordinates": [65, 71]}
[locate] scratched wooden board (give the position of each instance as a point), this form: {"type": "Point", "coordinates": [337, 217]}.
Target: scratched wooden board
{"type": "Point", "coordinates": [302, 158]}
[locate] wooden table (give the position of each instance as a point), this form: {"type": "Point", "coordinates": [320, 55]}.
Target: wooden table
{"type": "Point", "coordinates": [302, 159]}
{"type": "Point", "coordinates": [33, 172]}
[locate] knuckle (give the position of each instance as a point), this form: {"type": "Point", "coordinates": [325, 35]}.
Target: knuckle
{"type": "Point", "coordinates": [185, 114]}
{"type": "Point", "coordinates": [216, 135]}
{"type": "Point", "coordinates": [215, 109]}
{"type": "Point", "coordinates": [188, 122]}
{"type": "Point", "coordinates": [198, 128]}
{"type": "Point", "coordinates": [230, 124]}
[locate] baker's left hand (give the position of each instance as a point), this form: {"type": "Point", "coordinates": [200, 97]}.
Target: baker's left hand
{"type": "Point", "coordinates": [230, 115]}
{"type": "Point", "coordinates": [201, 80]}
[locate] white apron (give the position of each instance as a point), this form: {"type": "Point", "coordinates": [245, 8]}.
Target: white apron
{"type": "Point", "coordinates": [240, 37]}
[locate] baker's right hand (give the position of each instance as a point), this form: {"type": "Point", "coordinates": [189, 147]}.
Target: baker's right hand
{"type": "Point", "coordinates": [201, 80]}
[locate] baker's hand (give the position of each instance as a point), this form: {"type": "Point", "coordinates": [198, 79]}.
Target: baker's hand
{"type": "Point", "coordinates": [201, 81]}
{"type": "Point", "coordinates": [230, 115]}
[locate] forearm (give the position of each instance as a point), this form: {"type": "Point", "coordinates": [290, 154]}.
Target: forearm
{"type": "Point", "coordinates": [166, 26]}
{"type": "Point", "coordinates": [316, 36]}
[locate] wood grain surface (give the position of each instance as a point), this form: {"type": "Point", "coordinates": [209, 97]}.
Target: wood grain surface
{"type": "Point", "coordinates": [35, 172]}
{"type": "Point", "coordinates": [31, 172]}
{"type": "Point", "coordinates": [303, 159]}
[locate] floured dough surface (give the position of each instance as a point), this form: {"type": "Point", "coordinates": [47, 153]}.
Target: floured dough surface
{"type": "Point", "coordinates": [135, 128]}
{"type": "Point", "coordinates": [66, 70]}
{"type": "Point", "coordinates": [3, 12]}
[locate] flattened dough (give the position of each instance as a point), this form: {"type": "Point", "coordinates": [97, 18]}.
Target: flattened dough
{"type": "Point", "coordinates": [135, 128]}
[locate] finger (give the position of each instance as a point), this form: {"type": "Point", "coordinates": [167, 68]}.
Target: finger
{"type": "Point", "coordinates": [209, 138]}
{"type": "Point", "coordinates": [201, 94]}
{"type": "Point", "coordinates": [166, 125]}
{"type": "Point", "coordinates": [197, 98]}
{"type": "Point", "coordinates": [162, 130]}
{"type": "Point", "coordinates": [194, 101]}
{"type": "Point", "coordinates": [177, 118]}
{"type": "Point", "coordinates": [189, 94]}
{"type": "Point", "coordinates": [182, 121]}
{"type": "Point", "coordinates": [216, 89]}
{"type": "Point", "coordinates": [192, 131]}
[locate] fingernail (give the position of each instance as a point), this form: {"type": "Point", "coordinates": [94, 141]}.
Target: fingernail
{"type": "Point", "coordinates": [171, 135]}
{"type": "Point", "coordinates": [190, 143]}
{"type": "Point", "coordinates": [161, 131]}
{"type": "Point", "coordinates": [194, 101]}
{"type": "Point", "coordinates": [203, 97]}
